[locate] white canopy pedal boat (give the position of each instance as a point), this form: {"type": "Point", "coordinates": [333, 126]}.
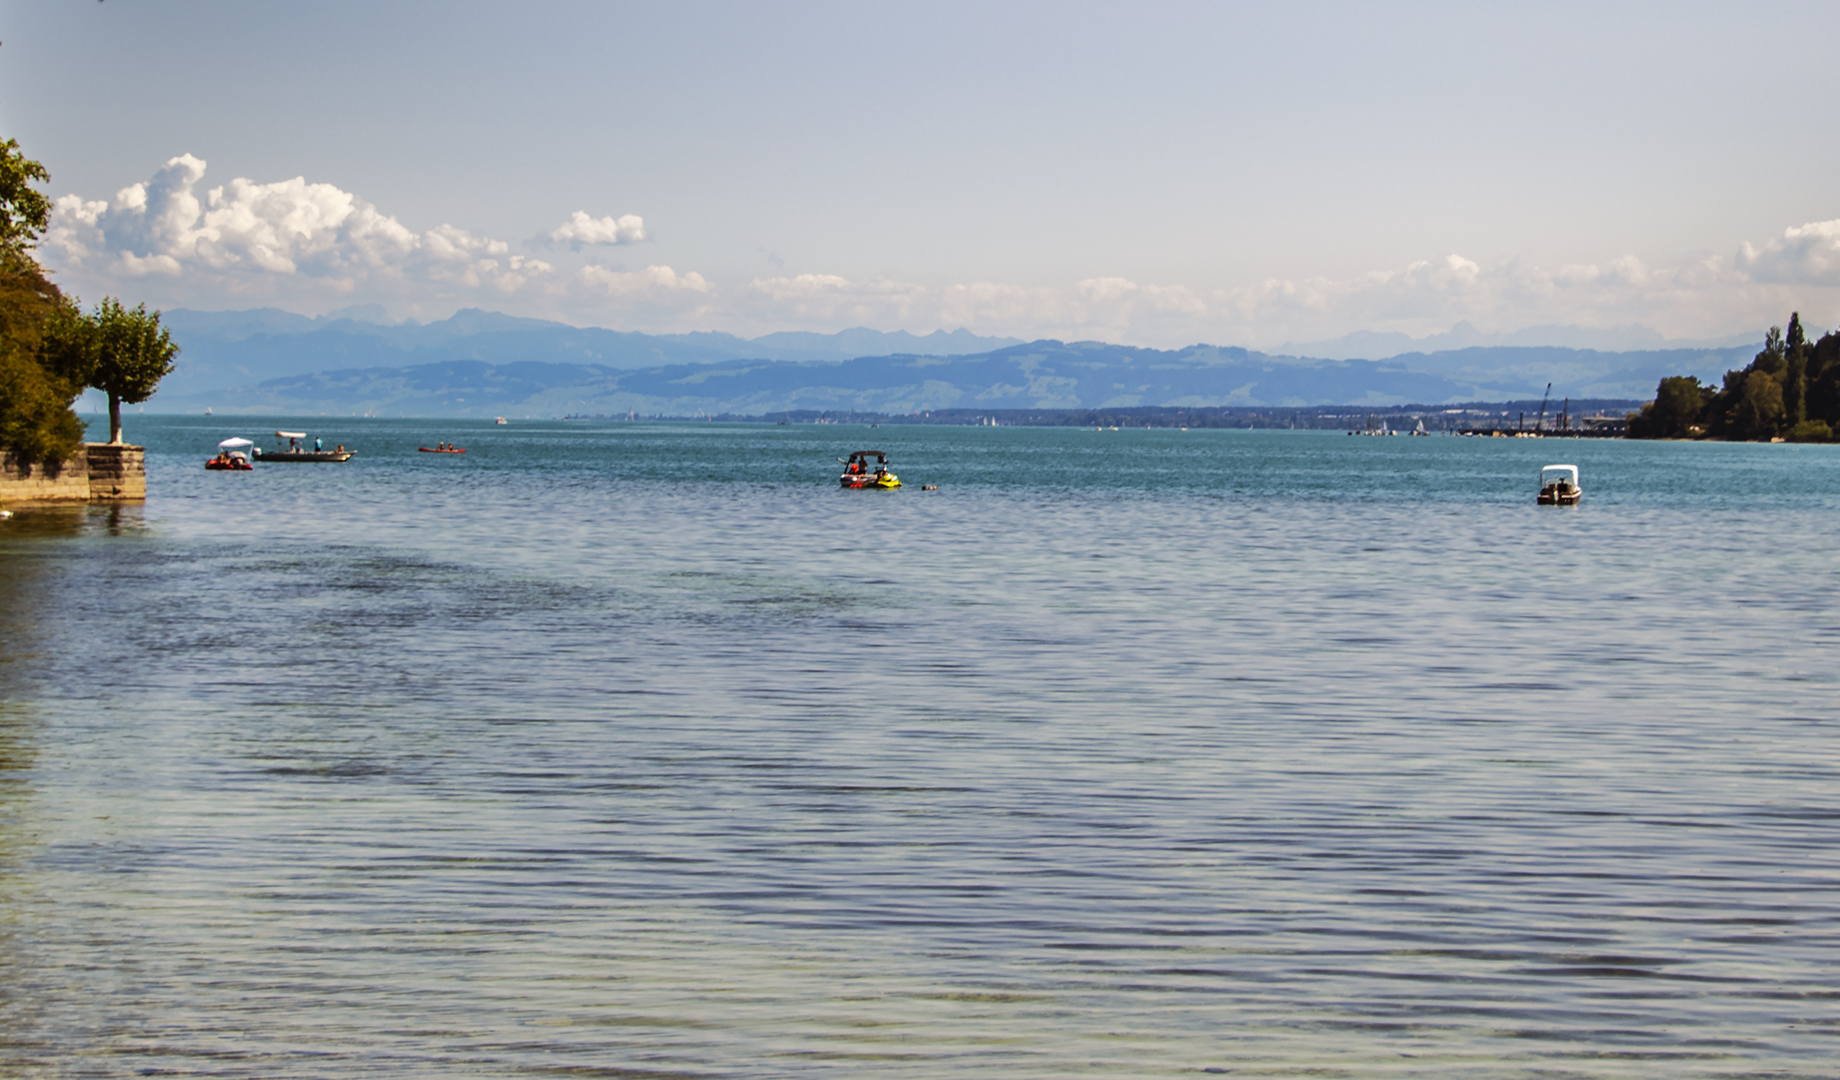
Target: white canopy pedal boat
{"type": "Point", "coordinates": [230, 456]}
{"type": "Point", "coordinates": [1559, 486]}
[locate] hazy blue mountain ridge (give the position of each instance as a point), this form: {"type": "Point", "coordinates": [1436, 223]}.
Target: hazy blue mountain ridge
{"type": "Point", "coordinates": [1042, 374]}
{"type": "Point", "coordinates": [220, 350]}
{"type": "Point", "coordinates": [484, 363]}
{"type": "Point", "coordinates": [1577, 372]}
{"type": "Point", "coordinates": [1380, 345]}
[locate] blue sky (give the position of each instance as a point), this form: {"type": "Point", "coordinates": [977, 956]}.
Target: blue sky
{"type": "Point", "coordinates": [1157, 174]}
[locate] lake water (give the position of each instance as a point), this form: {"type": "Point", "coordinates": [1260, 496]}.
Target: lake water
{"type": "Point", "coordinates": [641, 750]}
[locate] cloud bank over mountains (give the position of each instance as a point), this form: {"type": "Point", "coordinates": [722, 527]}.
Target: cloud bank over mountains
{"type": "Point", "coordinates": [315, 247]}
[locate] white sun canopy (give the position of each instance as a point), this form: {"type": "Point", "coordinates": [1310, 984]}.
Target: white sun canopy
{"type": "Point", "coordinates": [290, 434]}
{"type": "Point", "coordinates": [231, 444]}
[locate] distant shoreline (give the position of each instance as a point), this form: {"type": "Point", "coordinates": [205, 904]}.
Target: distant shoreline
{"type": "Point", "coordinates": [1445, 417]}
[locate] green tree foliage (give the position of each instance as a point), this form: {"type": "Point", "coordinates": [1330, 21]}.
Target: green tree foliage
{"type": "Point", "coordinates": [1770, 360]}
{"type": "Point", "coordinates": [1791, 390]}
{"type": "Point", "coordinates": [1824, 380]}
{"type": "Point", "coordinates": [24, 212]}
{"type": "Point", "coordinates": [127, 353]}
{"type": "Point", "coordinates": [37, 384]}
{"type": "Point", "coordinates": [1675, 413]}
{"type": "Point", "coordinates": [1759, 410]}
{"type": "Point", "coordinates": [1795, 370]}
{"type": "Point", "coordinates": [38, 378]}
{"type": "Point", "coordinates": [49, 349]}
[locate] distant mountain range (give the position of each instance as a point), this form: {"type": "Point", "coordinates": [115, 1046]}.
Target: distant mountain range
{"type": "Point", "coordinates": [483, 364]}
{"type": "Point", "coordinates": [221, 350]}
{"type": "Point", "coordinates": [1367, 344]}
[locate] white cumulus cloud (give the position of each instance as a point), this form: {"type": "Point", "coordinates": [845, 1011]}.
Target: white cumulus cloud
{"type": "Point", "coordinates": [1806, 255]}
{"type": "Point", "coordinates": [827, 299]}
{"type": "Point", "coordinates": [171, 239]}
{"type": "Point", "coordinates": [652, 281]}
{"type": "Point", "coordinates": [581, 230]}
{"type": "Point", "coordinates": [288, 227]}
{"type": "Point", "coordinates": [289, 240]}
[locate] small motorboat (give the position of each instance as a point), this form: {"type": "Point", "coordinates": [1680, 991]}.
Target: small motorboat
{"type": "Point", "coordinates": [1559, 486]}
{"type": "Point", "coordinates": [230, 457]}
{"type": "Point", "coordinates": [296, 450]}
{"type": "Point", "coordinates": [441, 448]}
{"type": "Point", "coordinates": [859, 473]}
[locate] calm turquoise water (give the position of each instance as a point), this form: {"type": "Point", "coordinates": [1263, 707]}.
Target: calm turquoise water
{"type": "Point", "coordinates": [636, 750]}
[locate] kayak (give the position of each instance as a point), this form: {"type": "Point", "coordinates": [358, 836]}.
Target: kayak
{"type": "Point", "coordinates": [440, 450]}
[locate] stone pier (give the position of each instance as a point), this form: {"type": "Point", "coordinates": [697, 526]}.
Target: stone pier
{"type": "Point", "coordinates": [117, 472]}
{"type": "Point", "coordinates": [100, 472]}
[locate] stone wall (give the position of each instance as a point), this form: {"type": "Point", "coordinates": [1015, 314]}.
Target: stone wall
{"type": "Point", "coordinates": [66, 481]}
{"type": "Point", "coordinates": [102, 472]}
{"type": "Point", "coordinates": [117, 472]}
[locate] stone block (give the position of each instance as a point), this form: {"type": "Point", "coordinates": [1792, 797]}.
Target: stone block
{"type": "Point", "coordinates": [117, 472]}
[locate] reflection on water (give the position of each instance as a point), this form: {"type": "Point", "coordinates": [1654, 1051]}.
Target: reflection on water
{"type": "Point", "coordinates": [1268, 755]}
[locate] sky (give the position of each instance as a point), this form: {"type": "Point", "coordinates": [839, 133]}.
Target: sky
{"type": "Point", "coordinates": [1154, 174]}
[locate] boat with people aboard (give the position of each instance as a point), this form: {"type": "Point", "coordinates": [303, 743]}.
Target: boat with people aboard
{"type": "Point", "coordinates": [296, 450]}
{"type": "Point", "coordinates": [859, 473]}
{"type": "Point", "coordinates": [230, 456]}
{"type": "Point", "coordinates": [441, 448]}
{"type": "Point", "coordinates": [1559, 486]}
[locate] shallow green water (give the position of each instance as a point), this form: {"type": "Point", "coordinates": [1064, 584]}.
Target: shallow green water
{"type": "Point", "coordinates": [642, 750]}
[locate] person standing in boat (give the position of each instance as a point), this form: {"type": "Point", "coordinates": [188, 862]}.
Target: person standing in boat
{"type": "Point", "coordinates": [317, 446]}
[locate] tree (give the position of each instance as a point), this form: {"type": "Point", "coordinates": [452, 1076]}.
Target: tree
{"type": "Point", "coordinates": [1791, 389]}
{"type": "Point", "coordinates": [1719, 410]}
{"type": "Point", "coordinates": [1823, 395]}
{"type": "Point", "coordinates": [127, 352]}
{"type": "Point", "coordinates": [1794, 375]}
{"type": "Point", "coordinates": [1810, 431]}
{"type": "Point", "coordinates": [24, 213]}
{"type": "Point", "coordinates": [1770, 360]}
{"type": "Point", "coordinates": [1675, 412]}
{"type": "Point", "coordinates": [1760, 409]}
{"type": "Point", "coordinates": [38, 382]}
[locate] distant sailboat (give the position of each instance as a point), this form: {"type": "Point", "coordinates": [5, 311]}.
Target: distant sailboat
{"type": "Point", "coordinates": [207, 410]}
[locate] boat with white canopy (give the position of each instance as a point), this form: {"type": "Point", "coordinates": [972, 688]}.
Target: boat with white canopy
{"type": "Point", "coordinates": [1559, 486]}
{"type": "Point", "coordinates": [295, 449]}
{"type": "Point", "coordinates": [230, 456]}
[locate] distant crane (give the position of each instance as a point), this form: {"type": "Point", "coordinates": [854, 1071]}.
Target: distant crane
{"type": "Point", "coordinates": [1543, 401]}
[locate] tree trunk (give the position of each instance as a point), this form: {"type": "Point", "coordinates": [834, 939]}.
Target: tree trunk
{"type": "Point", "coordinates": [114, 419]}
